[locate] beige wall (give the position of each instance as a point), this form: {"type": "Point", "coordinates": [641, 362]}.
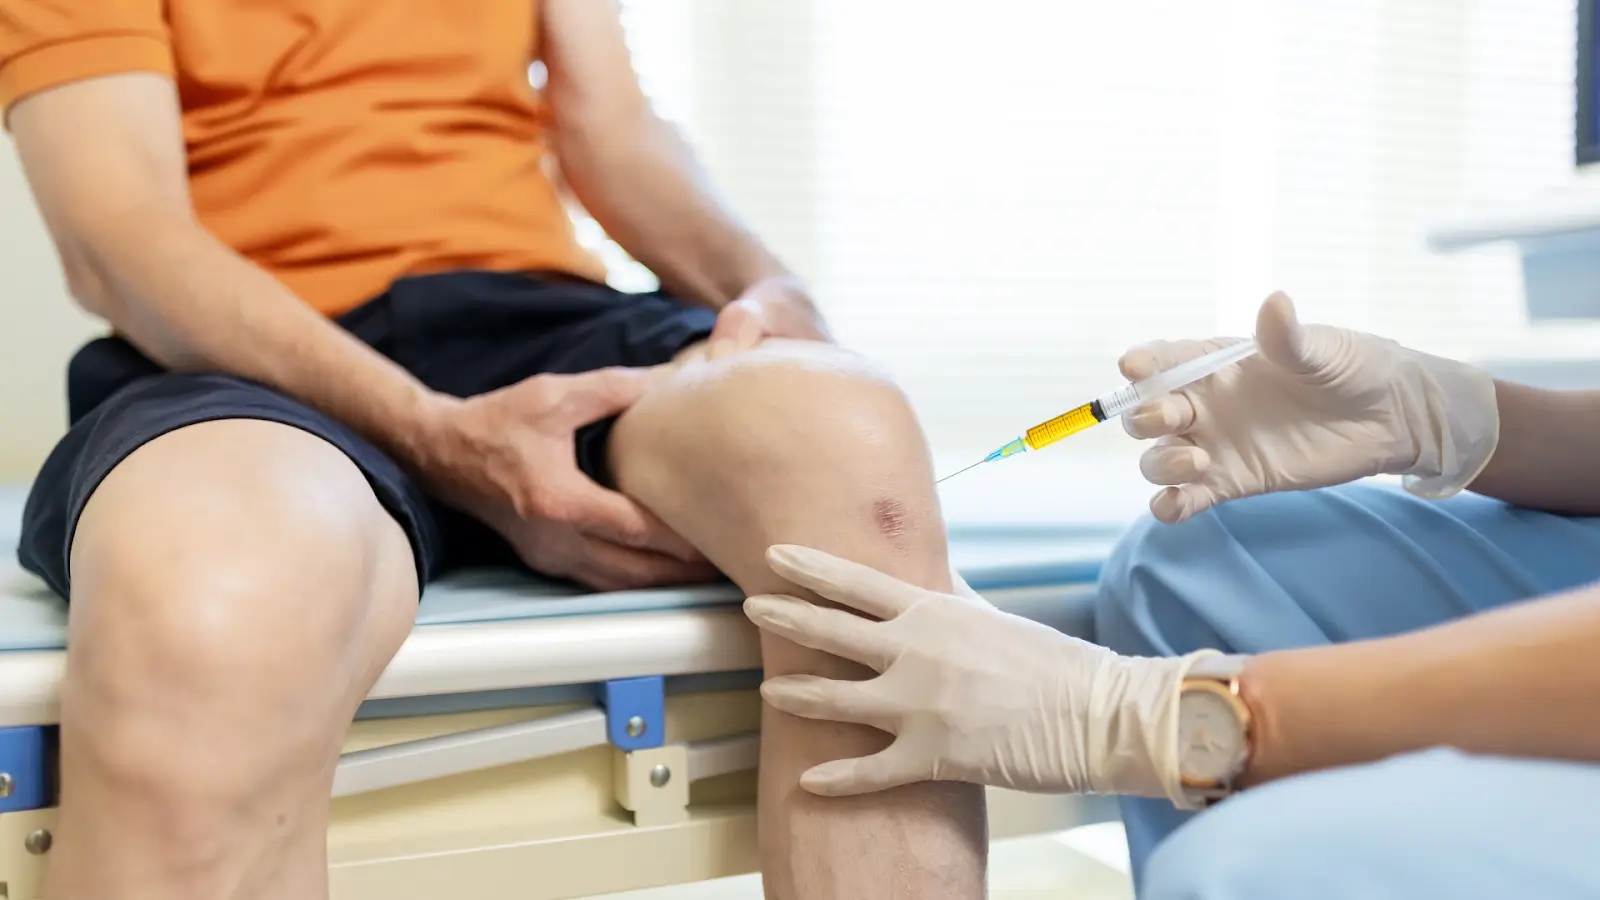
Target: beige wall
{"type": "Point", "coordinates": [39, 329]}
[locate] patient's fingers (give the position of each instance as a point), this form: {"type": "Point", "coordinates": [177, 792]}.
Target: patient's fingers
{"type": "Point", "coordinates": [834, 631]}
{"type": "Point", "coordinates": [813, 697]}
{"type": "Point", "coordinates": [614, 517]}
{"type": "Point", "coordinates": [1171, 414]}
{"type": "Point", "coordinates": [892, 767]}
{"type": "Point", "coordinates": [609, 567]}
{"type": "Point", "coordinates": [852, 584]}
{"type": "Point", "coordinates": [1174, 461]}
{"type": "Point", "coordinates": [738, 328]}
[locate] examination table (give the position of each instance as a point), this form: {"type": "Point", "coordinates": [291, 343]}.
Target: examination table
{"type": "Point", "coordinates": [533, 741]}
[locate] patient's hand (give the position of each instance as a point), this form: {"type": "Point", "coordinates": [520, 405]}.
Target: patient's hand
{"type": "Point", "coordinates": [774, 307]}
{"type": "Point", "coordinates": [507, 458]}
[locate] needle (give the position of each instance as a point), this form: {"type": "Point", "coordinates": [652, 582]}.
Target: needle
{"type": "Point", "coordinates": [958, 472]}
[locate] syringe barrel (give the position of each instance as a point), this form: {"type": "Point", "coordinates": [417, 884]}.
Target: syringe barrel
{"type": "Point", "coordinates": [1181, 375]}
{"type": "Point", "coordinates": [1115, 404]}
{"type": "Point", "coordinates": [1186, 373]}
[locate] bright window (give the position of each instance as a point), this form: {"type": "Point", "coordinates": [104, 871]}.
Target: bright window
{"type": "Point", "coordinates": [994, 200]}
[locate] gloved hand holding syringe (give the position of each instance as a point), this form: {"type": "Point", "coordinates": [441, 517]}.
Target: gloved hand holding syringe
{"type": "Point", "coordinates": [1118, 402]}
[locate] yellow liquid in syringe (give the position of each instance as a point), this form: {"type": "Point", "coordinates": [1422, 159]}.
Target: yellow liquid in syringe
{"type": "Point", "coordinates": [1044, 434]}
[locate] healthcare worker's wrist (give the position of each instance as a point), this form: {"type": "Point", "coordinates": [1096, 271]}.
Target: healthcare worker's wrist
{"type": "Point", "coordinates": [1130, 726]}
{"type": "Point", "coordinates": [1311, 708]}
{"type": "Point", "coordinates": [1453, 415]}
{"type": "Point", "coordinates": [1266, 739]}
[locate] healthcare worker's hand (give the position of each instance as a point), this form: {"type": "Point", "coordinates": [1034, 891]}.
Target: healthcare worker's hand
{"type": "Point", "coordinates": [777, 307]}
{"type": "Point", "coordinates": [1317, 406]}
{"type": "Point", "coordinates": [970, 693]}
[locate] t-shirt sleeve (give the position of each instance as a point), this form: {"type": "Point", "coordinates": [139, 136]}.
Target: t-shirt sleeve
{"type": "Point", "coordinates": [45, 43]}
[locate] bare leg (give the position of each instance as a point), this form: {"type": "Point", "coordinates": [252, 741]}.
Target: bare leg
{"type": "Point", "coordinates": [237, 589]}
{"type": "Point", "coordinates": [802, 443]}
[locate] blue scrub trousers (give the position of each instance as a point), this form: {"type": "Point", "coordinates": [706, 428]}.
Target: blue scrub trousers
{"type": "Point", "coordinates": [1360, 561]}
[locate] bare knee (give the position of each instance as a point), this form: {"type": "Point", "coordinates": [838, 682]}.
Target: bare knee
{"type": "Point", "coordinates": [815, 424]}
{"type": "Point", "coordinates": [236, 586]}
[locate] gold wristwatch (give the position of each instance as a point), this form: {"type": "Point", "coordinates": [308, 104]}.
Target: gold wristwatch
{"type": "Point", "coordinates": [1214, 729]}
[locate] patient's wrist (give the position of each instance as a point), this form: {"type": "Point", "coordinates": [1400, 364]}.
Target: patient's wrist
{"type": "Point", "coordinates": [429, 439]}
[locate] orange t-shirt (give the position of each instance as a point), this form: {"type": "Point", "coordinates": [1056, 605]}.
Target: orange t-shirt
{"type": "Point", "coordinates": [339, 144]}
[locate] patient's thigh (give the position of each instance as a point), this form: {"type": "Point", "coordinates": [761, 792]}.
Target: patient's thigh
{"type": "Point", "coordinates": [805, 443]}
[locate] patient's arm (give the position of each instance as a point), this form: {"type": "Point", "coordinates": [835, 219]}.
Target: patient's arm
{"type": "Point", "coordinates": [105, 160]}
{"type": "Point", "coordinates": [630, 168]}
{"type": "Point", "coordinates": [799, 442]}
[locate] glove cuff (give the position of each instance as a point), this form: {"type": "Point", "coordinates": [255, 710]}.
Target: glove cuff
{"type": "Point", "coordinates": [1132, 739]}
{"type": "Point", "coordinates": [1455, 419]}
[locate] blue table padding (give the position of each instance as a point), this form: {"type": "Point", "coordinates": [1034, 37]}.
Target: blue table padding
{"type": "Point", "coordinates": [990, 557]}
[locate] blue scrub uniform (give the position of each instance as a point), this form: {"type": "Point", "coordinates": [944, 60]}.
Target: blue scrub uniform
{"type": "Point", "coordinates": [1303, 569]}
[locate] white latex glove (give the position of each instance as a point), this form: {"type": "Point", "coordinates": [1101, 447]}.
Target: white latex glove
{"type": "Point", "coordinates": [1317, 406]}
{"type": "Point", "coordinates": [970, 693]}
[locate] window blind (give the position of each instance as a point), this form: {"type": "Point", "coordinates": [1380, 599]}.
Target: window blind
{"type": "Point", "coordinates": [995, 201]}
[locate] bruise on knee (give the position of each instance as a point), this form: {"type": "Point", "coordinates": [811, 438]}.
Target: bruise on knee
{"type": "Point", "coordinates": [894, 522]}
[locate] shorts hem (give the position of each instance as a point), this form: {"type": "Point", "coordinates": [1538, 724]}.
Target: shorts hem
{"type": "Point", "coordinates": [92, 476]}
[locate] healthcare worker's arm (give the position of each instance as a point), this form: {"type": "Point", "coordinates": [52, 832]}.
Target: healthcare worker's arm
{"type": "Point", "coordinates": [635, 174]}
{"type": "Point", "coordinates": [1522, 680]}
{"type": "Point", "coordinates": [1547, 456]}
{"type": "Point", "coordinates": [974, 694]}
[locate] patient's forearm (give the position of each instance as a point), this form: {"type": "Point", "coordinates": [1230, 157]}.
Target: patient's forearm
{"type": "Point", "coordinates": [1522, 681]}
{"type": "Point", "coordinates": [1545, 459]}
{"type": "Point", "coordinates": [644, 186]}
{"type": "Point", "coordinates": [193, 304]}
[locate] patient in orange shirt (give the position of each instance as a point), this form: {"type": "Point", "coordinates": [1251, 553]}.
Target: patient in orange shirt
{"type": "Point", "coordinates": [353, 346]}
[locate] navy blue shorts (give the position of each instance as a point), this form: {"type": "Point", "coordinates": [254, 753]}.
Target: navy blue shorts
{"type": "Point", "coordinates": [461, 333]}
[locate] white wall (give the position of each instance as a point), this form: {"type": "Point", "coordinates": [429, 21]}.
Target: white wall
{"type": "Point", "coordinates": [39, 329]}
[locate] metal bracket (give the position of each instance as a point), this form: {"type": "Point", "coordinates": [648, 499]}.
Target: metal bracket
{"type": "Point", "coordinates": [24, 768]}
{"type": "Point", "coordinates": [653, 784]}
{"type": "Point", "coordinates": [636, 712]}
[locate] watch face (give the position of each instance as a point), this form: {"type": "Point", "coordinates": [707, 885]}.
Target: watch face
{"type": "Point", "coordinates": [1210, 739]}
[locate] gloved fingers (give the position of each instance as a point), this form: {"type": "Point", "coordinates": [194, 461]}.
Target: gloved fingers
{"type": "Point", "coordinates": [833, 631]}
{"type": "Point", "coordinates": [892, 767]}
{"type": "Point", "coordinates": [1158, 356]}
{"type": "Point", "coordinates": [960, 588]}
{"type": "Point", "coordinates": [1284, 341]}
{"type": "Point", "coordinates": [814, 697]}
{"type": "Point", "coordinates": [1174, 461]}
{"type": "Point", "coordinates": [1173, 414]}
{"type": "Point", "coordinates": [852, 584]}
{"type": "Point", "coordinates": [1176, 504]}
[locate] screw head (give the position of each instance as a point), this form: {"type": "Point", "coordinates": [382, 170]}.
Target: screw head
{"type": "Point", "coordinates": [660, 775]}
{"type": "Point", "coordinates": [7, 785]}
{"type": "Point", "coordinates": [38, 842]}
{"type": "Point", "coordinates": [636, 726]}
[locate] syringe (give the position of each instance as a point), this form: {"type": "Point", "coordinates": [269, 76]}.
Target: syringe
{"type": "Point", "coordinates": [1118, 402]}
